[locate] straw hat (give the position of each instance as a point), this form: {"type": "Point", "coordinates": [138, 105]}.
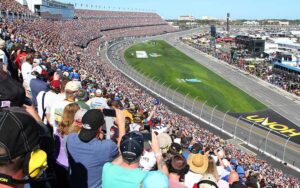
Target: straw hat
{"type": "Point", "coordinates": [198, 163]}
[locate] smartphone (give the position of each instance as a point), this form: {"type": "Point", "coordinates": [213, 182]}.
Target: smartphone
{"type": "Point", "coordinates": [109, 112]}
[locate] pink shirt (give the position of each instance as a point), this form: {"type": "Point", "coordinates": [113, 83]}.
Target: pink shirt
{"type": "Point", "coordinates": [175, 184]}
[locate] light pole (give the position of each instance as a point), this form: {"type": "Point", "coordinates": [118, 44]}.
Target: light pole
{"type": "Point", "coordinates": [202, 109]}
{"type": "Point", "coordinates": [236, 125]}
{"type": "Point", "coordinates": [194, 103]}
{"type": "Point", "coordinates": [212, 113]}
{"type": "Point", "coordinates": [285, 148]}
{"type": "Point", "coordinates": [224, 120]}
{"type": "Point", "coordinates": [161, 88]}
{"type": "Point", "coordinates": [174, 94]}
{"type": "Point", "coordinates": [184, 100]}
{"type": "Point", "coordinates": [249, 139]}
{"type": "Point", "coordinates": [267, 140]}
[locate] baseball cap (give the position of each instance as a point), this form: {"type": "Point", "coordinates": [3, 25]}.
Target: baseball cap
{"type": "Point", "coordinates": [55, 84]}
{"type": "Point", "coordinates": [251, 182]}
{"type": "Point", "coordinates": [132, 146]}
{"type": "Point", "coordinates": [165, 142]}
{"type": "Point", "coordinates": [196, 148]}
{"type": "Point", "coordinates": [39, 70]}
{"type": "Point", "coordinates": [98, 103]}
{"type": "Point", "coordinates": [91, 122]}
{"type": "Point", "coordinates": [12, 93]}
{"type": "Point", "coordinates": [175, 149]}
{"type": "Point", "coordinates": [23, 132]}
{"type": "Point", "coordinates": [76, 76]}
{"type": "Point", "coordinates": [73, 86]}
{"type": "Point", "coordinates": [98, 92]}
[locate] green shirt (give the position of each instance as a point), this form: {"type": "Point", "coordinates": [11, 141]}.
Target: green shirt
{"type": "Point", "coordinates": [114, 176]}
{"type": "Point", "coordinates": [83, 105]}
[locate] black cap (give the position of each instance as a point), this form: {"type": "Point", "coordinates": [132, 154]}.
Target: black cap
{"type": "Point", "coordinates": [237, 185]}
{"type": "Point", "coordinates": [251, 182]}
{"type": "Point", "coordinates": [12, 93]}
{"type": "Point", "coordinates": [19, 133]}
{"type": "Point", "coordinates": [196, 148]}
{"type": "Point", "coordinates": [91, 122]}
{"type": "Point", "coordinates": [132, 146]}
{"type": "Point", "coordinates": [175, 148]}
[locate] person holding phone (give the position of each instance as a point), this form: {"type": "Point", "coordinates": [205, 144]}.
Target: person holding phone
{"type": "Point", "coordinates": [88, 151]}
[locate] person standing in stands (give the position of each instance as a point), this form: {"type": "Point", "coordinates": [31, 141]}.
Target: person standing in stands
{"type": "Point", "coordinates": [16, 151]}
{"type": "Point", "coordinates": [178, 167]}
{"type": "Point", "coordinates": [56, 109]}
{"type": "Point", "coordinates": [3, 55]}
{"type": "Point", "coordinates": [26, 70]}
{"type": "Point", "coordinates": [87, 153]}
{"type": "Point", "coordinates": [124, 171]}
{"type": "Point", "coordinates": [38, 83]}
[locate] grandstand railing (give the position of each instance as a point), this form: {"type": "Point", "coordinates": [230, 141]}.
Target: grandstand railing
{"type": "Point", "coordinates": [15, 15]}
{"type": "Point", "coordinates": [263, 141]}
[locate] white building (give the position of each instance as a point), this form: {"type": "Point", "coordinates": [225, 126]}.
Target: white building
{"type": "Point", "coordinates": [186, 18]}
{"type": "Point", "coordinates": [251, 23]}
{"type": "Point", "coordinates": [296, 33]}
{"type": "Point", "coordinates": [283, 23]}
{"type": "Point", "coordinates": [207, 18]}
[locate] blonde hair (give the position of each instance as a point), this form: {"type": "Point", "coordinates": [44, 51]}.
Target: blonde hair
{"type": "Point", "coordinates": [66, 125]}
{"type": "Point", "coordinates": [212, 168]}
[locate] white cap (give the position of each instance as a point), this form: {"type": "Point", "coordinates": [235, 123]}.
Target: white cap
{"type": "Point", "coordinates": [98, 92]}
{"type": "Point", "coordinates": [38, 69]}
{"type": "Point", "coordinates": [73, 86]}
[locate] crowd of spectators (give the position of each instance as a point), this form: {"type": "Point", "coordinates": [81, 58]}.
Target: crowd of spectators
{"type": "Point", "coordinates": [13, 6]}
{"type": "Point", "coordinates": [114, 14]}
{"type": "Point", "coordinates": [97, 127]}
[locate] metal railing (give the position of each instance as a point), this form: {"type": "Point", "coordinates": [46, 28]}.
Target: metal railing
{"type": "Point", "coordinates": [262, 140]}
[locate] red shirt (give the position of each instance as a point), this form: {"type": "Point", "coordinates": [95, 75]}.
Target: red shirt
{"type": "Point", "coordinates": [18, 59]}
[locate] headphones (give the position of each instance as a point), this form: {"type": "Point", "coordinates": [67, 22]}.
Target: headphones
{"type": "Point", "coordinates": [35, 163]}
{"type": "Point", "coordinates": [183, 170]}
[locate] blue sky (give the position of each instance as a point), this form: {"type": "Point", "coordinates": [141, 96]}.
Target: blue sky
{"type": "Point", "coordinates": [239, 9]}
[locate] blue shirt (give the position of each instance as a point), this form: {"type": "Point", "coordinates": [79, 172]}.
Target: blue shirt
{"type": "Point", "coordinates": [36, 86]}
{"type": "Point", "coordinates": [115, 176]}
{"type": "Point", "coordinates": [86, 160]}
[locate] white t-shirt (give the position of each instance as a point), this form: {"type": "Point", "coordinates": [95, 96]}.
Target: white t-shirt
{"type": "Point", "coordinates": [191, 178]}
{"type": "Point", "coordinates": [4, 59]}
{"type": "Point", "coordinates": [147, 160]}
{"type": "Point", "coordinates": [50, 97]}
{"type": "Point", "coordinates": [134, 127]}
{"type": "Point", "coordinates": [26, 72]}
{"type": "Point", "coordinates": [55, 111]}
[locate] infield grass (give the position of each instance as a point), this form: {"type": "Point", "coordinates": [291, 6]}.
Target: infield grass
{"type": "Point", "coordinates": [173, 65]}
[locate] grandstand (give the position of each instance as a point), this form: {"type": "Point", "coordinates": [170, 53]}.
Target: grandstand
{"type": "Point", "coordinates": [57, 66]}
